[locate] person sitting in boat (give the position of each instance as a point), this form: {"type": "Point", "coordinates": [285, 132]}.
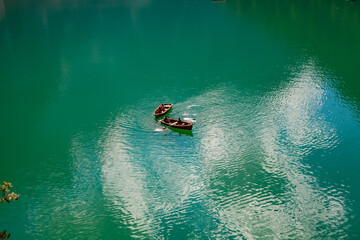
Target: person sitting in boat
{"type": "Point", "coordinates": [179, 121]}
{"type": "Point", "coordinates": [162, 108]}
{"type": "Point", "coordinates": [166, 119]}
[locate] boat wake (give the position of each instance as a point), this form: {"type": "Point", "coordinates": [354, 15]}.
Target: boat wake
{"type": "Point", "coordinates": [192, 106]}
{"type": "Point", "coordinates": [189, 114]}
{"type": "Point", "coordinates": [192, 120]}
{"type": "Point", "coordinates": [159, 129]}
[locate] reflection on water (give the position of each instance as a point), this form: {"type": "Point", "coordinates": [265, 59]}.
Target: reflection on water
{"type": "Point", "coordinates": [124, 184]}
{"type": "Point", "coordinates": [273, 150]}
{"type": "Point", "coordinates": [244, 173]}
{"type": "Point", "coordinates": [294, 127]}
{"type": "Point", "coordinates": [148, 187]}
{"type": "Point", "coordinates": [56, 5]}
{"type": "Point", "coordinates": [2, 10]}
{"type": "Point", "coordinates": [44, 8]}
{"type": "Point", "coordinates": [269, 189]}
{"type": "Point", "coordinates": [315, 26]}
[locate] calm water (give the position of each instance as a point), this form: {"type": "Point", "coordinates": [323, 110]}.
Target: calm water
{"type": "Point", "coordinates": [272, 88]}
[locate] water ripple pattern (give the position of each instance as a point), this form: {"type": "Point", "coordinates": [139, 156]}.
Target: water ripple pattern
{"type": "Point", "coordinates": [258, 176]}
{"type": "Point", "coordinates": [242, 175]}
{"type": "Point", "coordinates": [271, 88]}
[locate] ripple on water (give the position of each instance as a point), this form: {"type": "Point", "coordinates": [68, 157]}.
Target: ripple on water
{"type": "Point", "coordinates": [242, 174]}
{"type": "Point", "coordinates": [253, 156]}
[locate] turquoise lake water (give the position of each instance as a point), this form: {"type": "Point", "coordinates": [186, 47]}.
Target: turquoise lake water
{"type": "Point", "coordinates": [272, 88]}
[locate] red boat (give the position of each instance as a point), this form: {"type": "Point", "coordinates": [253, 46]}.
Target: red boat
{"type": "Point", "coordinates": [176, 123]}
{"type": "Point", "coordinates": [162, 109]}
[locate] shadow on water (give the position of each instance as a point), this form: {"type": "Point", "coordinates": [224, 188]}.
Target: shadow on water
{"type": "Point", "coordinates": [182, 131]}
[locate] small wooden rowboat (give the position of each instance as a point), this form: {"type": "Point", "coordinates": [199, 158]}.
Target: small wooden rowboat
{"type": "Point", "coordinates": [162, 109]}
{"type": "Point", "coordinates": [176, 124]}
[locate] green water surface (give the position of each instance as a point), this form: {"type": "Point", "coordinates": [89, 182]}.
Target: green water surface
{"type": "Point", "coordinates": [272, 88]}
